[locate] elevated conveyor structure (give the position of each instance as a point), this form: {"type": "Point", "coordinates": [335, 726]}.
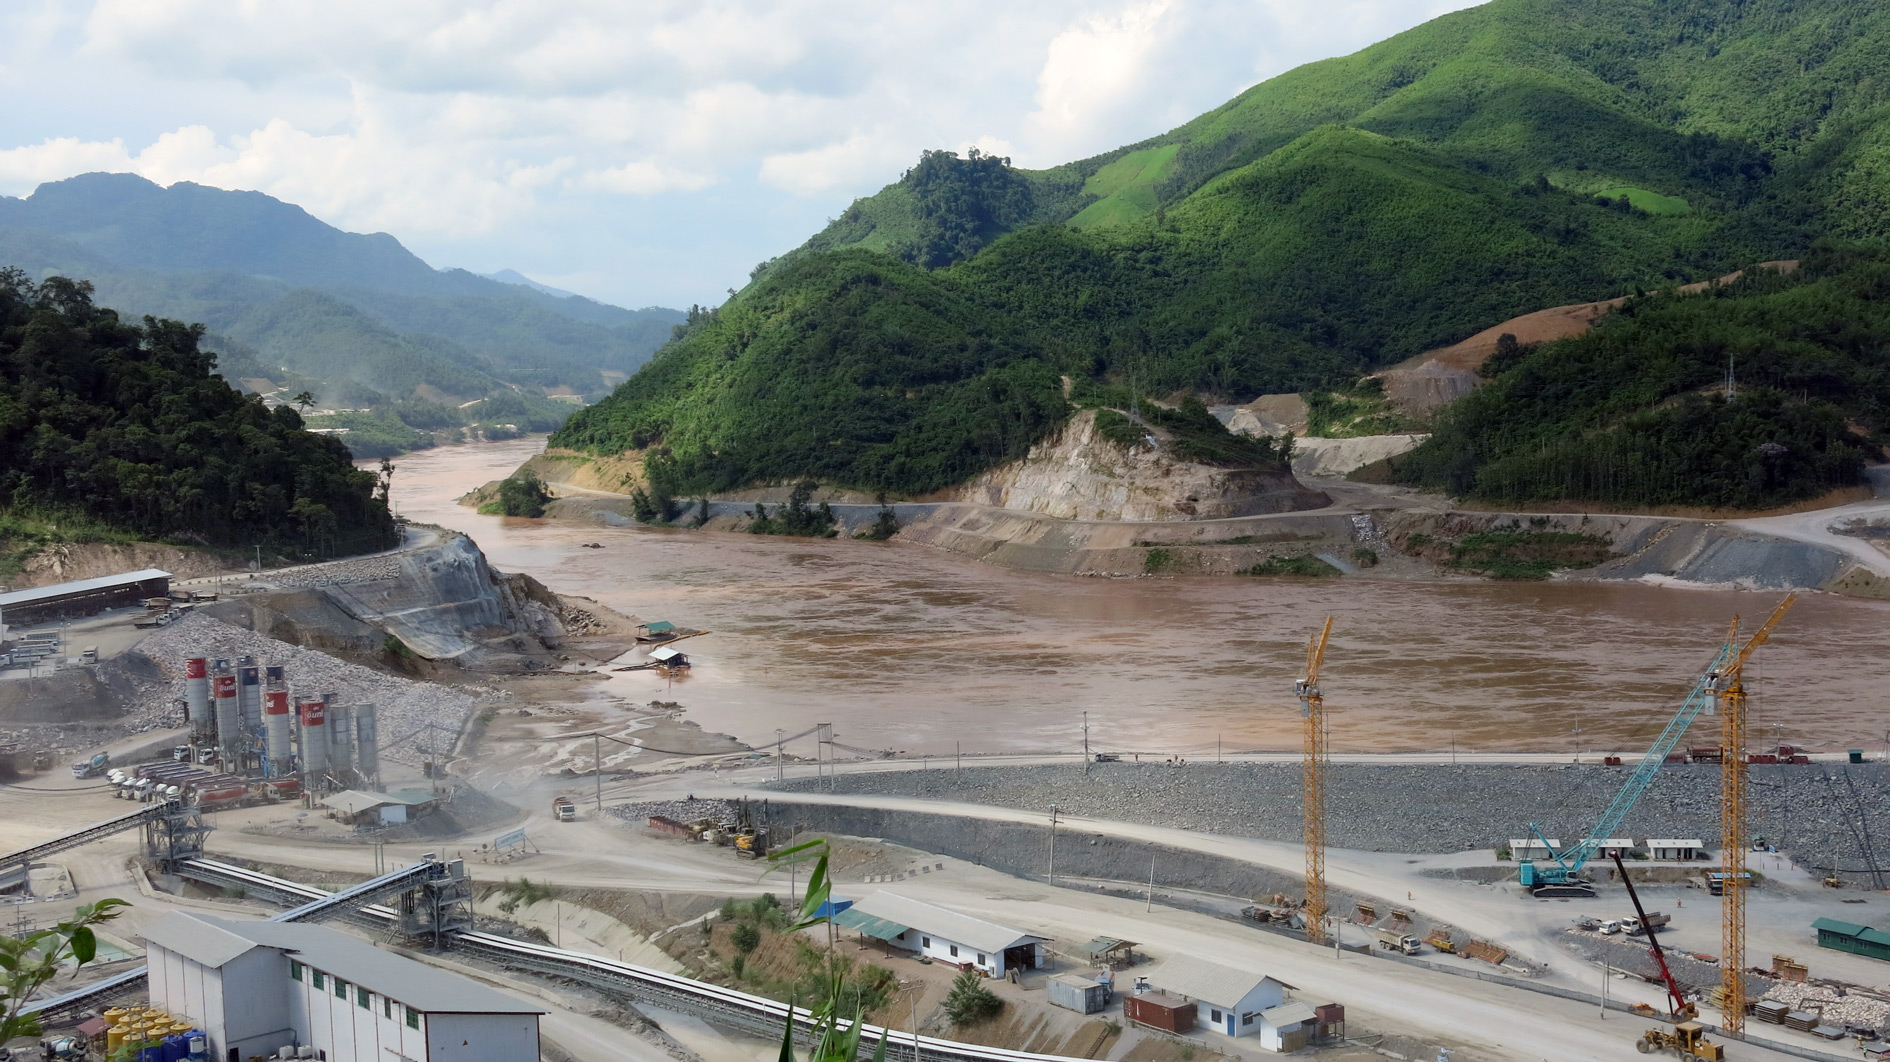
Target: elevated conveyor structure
{"type": "Point", "coordinates": [14, 864]}
{"type": "Point", "coordinates": [726, 1006]}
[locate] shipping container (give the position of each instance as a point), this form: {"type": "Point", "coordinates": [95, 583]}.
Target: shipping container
{"type": "Point", "coordinates": [1078, 993]}
{"type": "Point", "coordinates": [1158, 1010]}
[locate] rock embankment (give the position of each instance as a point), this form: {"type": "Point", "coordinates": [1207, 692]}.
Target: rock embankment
{"type": "Point", "coordinates": [442, 602]}
{"type": "Point", "coordinates": [1077, 474]}
{"type": "Point", "coordinates": [1818, 813]}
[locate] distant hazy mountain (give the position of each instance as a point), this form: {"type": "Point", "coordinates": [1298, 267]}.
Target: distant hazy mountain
{"type": "Point", "coordinates": [337, 306]}
{"type": "Point", "coordinates": [513, 276]}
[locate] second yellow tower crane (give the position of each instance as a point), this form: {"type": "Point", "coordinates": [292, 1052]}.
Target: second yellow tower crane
{"type": "Point", "coordinates": [1312, 707]}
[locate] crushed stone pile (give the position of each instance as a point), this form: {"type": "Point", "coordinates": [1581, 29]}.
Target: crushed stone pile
{"type": "Point", "coordinates": [639, 814]}
{"type": "Point", "coordinates": [1834, 1007]}
{"type": "Point", "coordinates": [1803, 808]}
{"type": "Point", "coordinates": [404, 707]}
{"type": "Point", "coordinates": [354, 570]}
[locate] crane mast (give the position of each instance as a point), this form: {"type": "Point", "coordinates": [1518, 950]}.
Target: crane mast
{"type": "Point", "coordinates": [1735, 840]}
{"type": "Point", "coordinates": [1312, 709]}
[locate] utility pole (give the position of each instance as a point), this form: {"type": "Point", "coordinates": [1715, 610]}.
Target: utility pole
{"type": "Point", "coordinates": [1150, 905]}
{"type": "Point", "coordinates": [597, 761]}
{"type": "Point", "coordinates": [1085, 742]}
{"type": "Point", "coordinates": [780, 770]}
{"type": "Point", "coordinates": [958, 754]}
{"type": "Point", "coordinates": [1052, 876]}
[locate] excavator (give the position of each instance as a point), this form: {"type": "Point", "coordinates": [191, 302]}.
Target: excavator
{"type": "Point", "coordinates": [1688, 1038]}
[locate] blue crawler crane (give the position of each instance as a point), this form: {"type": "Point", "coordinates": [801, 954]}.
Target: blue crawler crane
{"type": "Point", "coordinates": [1560, 874]}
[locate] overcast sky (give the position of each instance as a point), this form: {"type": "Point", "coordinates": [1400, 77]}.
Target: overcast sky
{"type": "Point", "coordinates": [637, 151]}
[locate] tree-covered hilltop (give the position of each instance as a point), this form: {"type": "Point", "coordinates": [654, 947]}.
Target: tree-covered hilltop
{"type": "Point", "coordinates": [1634, 413]}
{"type": "Point", "coordinates": [128, 426]}
{"type": "Point", "coordinates": [1333, 220]}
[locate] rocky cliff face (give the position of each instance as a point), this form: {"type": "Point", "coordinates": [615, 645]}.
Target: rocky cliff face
{"type": "Point", "coordinates": [1078, 475]}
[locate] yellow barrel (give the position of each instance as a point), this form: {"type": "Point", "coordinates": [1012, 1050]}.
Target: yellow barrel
{"type": "Point", "coordinates": [115, 1036]}
{"type": "Point", "coordinates": [113, 1014]}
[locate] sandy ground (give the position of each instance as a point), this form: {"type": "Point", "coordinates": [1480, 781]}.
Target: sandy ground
{"type": "Point", "coordinates": [1481, 1020]}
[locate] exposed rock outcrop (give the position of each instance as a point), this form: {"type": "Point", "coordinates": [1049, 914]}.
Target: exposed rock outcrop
{"type": "Point", "coordinates": [1077, 474]}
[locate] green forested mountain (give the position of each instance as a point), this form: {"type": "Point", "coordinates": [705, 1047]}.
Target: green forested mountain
{"type": "Point", "coordinates": [128, 426]}
{"type": "Point", "coordinates": [336, 306]}
{"type": "Point", "coordinates": [1340, 217]}
{"type": "Point", "coordinates": [1634, 413]}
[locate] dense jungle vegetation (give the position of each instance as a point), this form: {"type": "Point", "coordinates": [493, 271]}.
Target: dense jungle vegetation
{"type": "Point", "coordinates": [126, 426]}
{"type": "Point", "coordinates": [1634, 413]}
{"type": "Point", "coordinates": [1338, 218]}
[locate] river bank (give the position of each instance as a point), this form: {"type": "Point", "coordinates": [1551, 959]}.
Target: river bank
{"type": "Point", "coordinates": [1328, 527]}
{"type": "Point", "coordinates": [912, 648]}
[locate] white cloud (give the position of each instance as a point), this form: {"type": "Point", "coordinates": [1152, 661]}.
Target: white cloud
{"type": "Point", "coordinates": [23, 168]}
{"type": "Point", "coordinates": [860, 158]}
{"type": "Point", "coordinates": [525, 134]}
{"type": "Point", "coordinates": [1092, 66]}
{"type": "Point", "coordinates": [642, 178]}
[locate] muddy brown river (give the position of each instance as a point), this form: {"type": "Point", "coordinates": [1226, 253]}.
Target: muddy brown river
{"type": "Point", "coordinates": [903, 647]}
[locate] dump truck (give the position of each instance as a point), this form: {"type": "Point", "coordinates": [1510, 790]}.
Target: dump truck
{"type": "Point", "coordinates": [564, 810]}
{"type": "Point", "coordinates": [1397, 940]}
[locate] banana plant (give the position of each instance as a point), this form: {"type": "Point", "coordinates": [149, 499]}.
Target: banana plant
{"type": "Point", "coordinates": [835, 1039]}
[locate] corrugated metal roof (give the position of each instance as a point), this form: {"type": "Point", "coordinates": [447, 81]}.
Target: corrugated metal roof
{"type": "Point", "coordinates": [1669, 842]}
{"type": "Point", "coordinates": [78, 586]}
{"type": "Point", "coordinates": [1209, 982]}
{"type": "Point", "coordinates": [667, 652]}
{"type": "Point", "coordinates": [1287, 1014]}
{"type": "Point", "coordinates": [659, 626]}
{"type": "Point", "coordinates": [357, 962]}
{"type": "Point", "coordinates": [1853, 930]}
{"type": "Point", "coordinates": [940, 922]}
{"type": "Point", "coordinates": [877, 928]}
{"type": "Point", "coordinates": [198, 940]}
{"type": "Point", "coordinates": [355, 801]}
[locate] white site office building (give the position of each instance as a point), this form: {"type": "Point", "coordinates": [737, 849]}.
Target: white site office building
{"type": "Point", "coordinates": [257, 987]}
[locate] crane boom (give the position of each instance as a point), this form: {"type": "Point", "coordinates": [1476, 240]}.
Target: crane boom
{"type": "Point", "coordinates": [1565, 872]}
{"type": "Point", "coordinates": [1563, 875]}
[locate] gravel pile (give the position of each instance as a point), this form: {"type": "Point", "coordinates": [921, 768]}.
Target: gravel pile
{"type": "Point", "coordinates": [356, 570]}
{"type": "Point", "coordinates": [404, 707]}
{"type": "Point", "coordinates": [1833, 1008]}
{"type": "Point", "coordinates": [1812, 811]}
{"type": "Point", "coordinates": [680, 810]}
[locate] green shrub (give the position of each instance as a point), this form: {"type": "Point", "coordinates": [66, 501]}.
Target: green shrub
{"type": "Point", "coordinates": [1156, 560]}
{"type": "Point", "coordinates": [745, 937]}
{"type": "Point", "coordinates": [523, 494]}
{"type": "Point", "coordinates": [969, 1001]}
{"type": "Point", "coordinates": [1526, 554]}
{"type": "Point", "coordinates": [1304, 565]}
{"type": "Point", "coordinates": [796, 517]}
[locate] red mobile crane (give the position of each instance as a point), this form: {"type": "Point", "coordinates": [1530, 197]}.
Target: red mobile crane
{"type": "Point", "coordinates": [1688, 1038]}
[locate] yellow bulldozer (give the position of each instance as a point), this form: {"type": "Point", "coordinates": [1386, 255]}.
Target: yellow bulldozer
{"type": "Point", "coordinates": [1688, 1039]}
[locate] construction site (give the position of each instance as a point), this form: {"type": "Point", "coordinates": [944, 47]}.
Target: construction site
{"type": "Point", "coordinates": [1702, 897]}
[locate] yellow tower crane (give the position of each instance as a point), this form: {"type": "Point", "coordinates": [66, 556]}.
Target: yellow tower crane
{"type": "Point", "coordinates": [1734, 840]}
{"type": "Point", "coordinates": [1312, 707]}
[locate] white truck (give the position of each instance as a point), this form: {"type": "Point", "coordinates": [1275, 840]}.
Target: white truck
{"type": "Point", "coordinates": [1398, 940]}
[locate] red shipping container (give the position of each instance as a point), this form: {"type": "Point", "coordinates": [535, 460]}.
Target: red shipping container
{"type": "Point", "coordinates": [1159, 1010]}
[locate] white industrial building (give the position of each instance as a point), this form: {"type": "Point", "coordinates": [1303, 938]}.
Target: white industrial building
{"type": "Point", "coordinates": [1533, 848]}
{"type": "Point", "coordinates": [944, 935]}
{"type": "Point", "coordinates": [1238, 1002]}
{"type": "Point", "coordinates": [1675, 847]}
{"type": "Point", "coordinates": [256, 987]}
